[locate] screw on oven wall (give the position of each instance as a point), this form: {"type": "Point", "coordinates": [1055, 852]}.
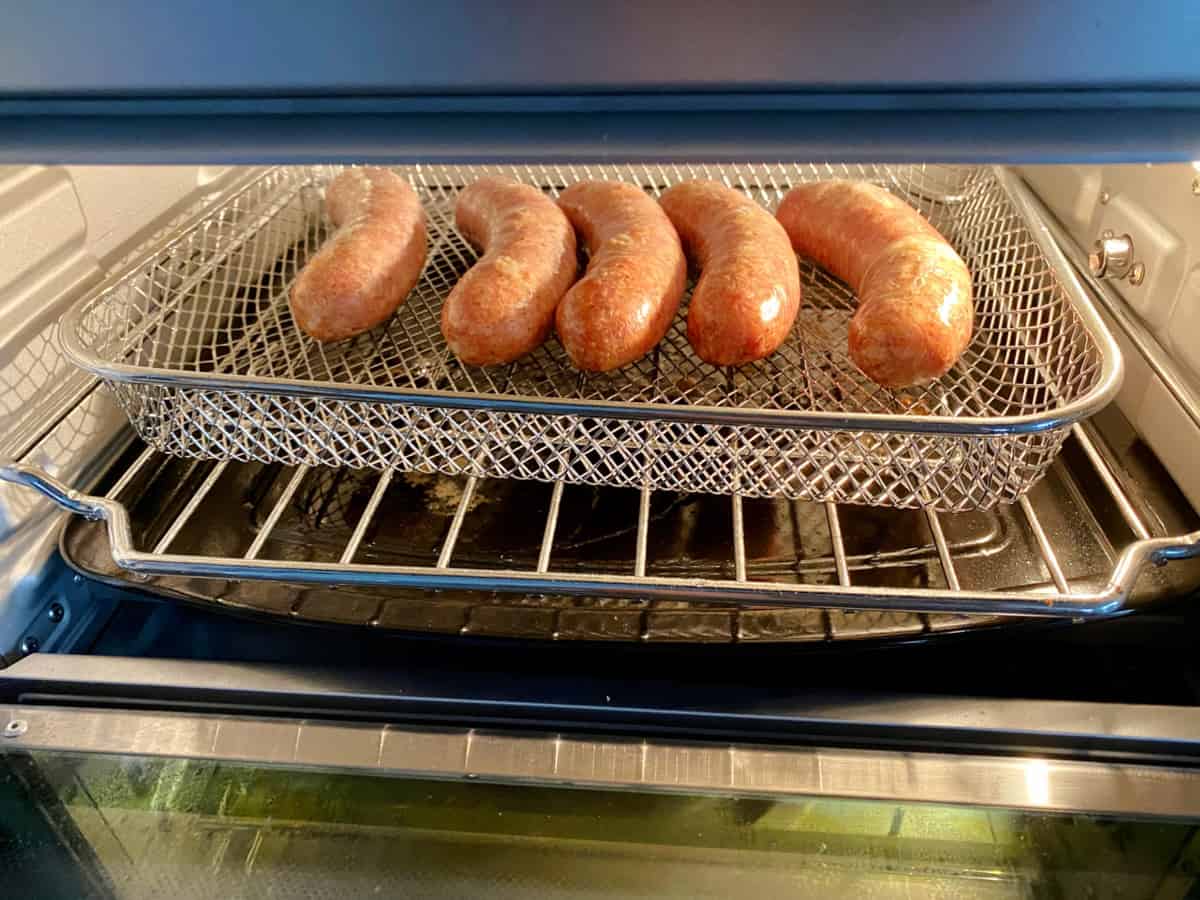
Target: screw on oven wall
{"type": "Point", "coordinates": [56, 612]}
{"type": "Point", "coordinates": [1105, 196]}
{"type": "Point", "coordinates": [1196, 185]}
{"type": "Point", "coordinates": [16, 728]}
{"type": "Point", "coordinates": [30, 645]}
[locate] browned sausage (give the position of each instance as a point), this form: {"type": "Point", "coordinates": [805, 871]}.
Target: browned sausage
{"type": "Point", "coordinates": [635, 277]}
{"type": "Point", "coordinates": [503, 307]}
{"type": "Point", "coordinates": [915, 312]}
{"type": "Point", "coordinates": [365, 270]}
{"type": "Point", "coordinates": [748, 293]}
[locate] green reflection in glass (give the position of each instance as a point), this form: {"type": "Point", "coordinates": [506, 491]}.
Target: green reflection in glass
{"type": "Point", "coordinates": [182, 828]}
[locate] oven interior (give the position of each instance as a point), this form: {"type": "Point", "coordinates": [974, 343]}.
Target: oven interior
{"type": "Point", "coordinates": [1106, 490]}
{"type": "Point", "coordinates": [772, 645]}
{"type": "Point", "coordinates": [1014, 688]}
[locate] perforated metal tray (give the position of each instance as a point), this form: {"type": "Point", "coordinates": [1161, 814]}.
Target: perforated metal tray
{"type": "Point", "coordinates": [197, 342]}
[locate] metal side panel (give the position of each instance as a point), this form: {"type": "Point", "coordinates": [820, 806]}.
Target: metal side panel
{"type": "Point", "coordinates": [615, 704]}
{"type": "Point", "coordinates": [61, 230]}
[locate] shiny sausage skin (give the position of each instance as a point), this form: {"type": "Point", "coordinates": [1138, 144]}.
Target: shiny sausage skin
{"type": "Point", "coordinates": [635, 278]}
{"type": "Point", "coordinates": [748, 293]}
{"type": "Point", "coordinates": [503, 307]}
{"type": "Point", "coordinates": [915, 312]}
{"type": "Point", "coordinates": [362, 274]}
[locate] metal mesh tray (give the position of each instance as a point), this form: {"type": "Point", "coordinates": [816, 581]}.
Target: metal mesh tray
{"type": "Point", "coordinates": [197, 341]}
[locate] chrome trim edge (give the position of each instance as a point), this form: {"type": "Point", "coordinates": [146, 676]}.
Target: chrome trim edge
{"type": "Point", "coordinates": [594, 762]}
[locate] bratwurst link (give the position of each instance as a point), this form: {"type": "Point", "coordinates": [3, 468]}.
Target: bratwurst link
{"type": "Point", "coordinates": [503, 307]}
{"type": "Point", "coordinates": [636, 276]}
{"type": "Point", "coordinates": [366, 269]}
{"type": "Point", "coordinates": [748, 293]}
{"type": "Point", "coordinates": [915, 312]}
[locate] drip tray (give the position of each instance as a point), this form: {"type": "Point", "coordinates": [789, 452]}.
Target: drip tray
{"type": "Point", "coordinates": [785, 541]}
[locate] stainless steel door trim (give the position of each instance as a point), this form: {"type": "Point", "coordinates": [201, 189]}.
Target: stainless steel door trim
{"type": "Point", "coordinates": [1111, 731]}
{"type": "Point", "coordinates": [1032, 783]}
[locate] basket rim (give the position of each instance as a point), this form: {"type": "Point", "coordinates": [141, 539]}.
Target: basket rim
{"type": "Point", "coordinates": [1104, 388]}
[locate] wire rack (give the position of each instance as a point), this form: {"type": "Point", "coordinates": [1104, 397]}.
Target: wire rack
{"type": "Point", "coordinates": [181, 545]}
{"type": "Point", "coordinates": [1063, 536]}
{"type": "Point", "coordinates": [197, 342]}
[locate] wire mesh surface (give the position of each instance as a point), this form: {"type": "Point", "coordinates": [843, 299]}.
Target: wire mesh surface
{"type": "Point", "coordinates": [221, 370]}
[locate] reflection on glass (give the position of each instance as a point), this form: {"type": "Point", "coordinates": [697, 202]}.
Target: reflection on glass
{"type": "Point", "coordinates": [1037, 782]}
{"type": "Point", "coordinates": [137, 827]}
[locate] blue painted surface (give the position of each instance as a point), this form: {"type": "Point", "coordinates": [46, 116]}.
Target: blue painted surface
{"type": "Point", "coordinates": [930, 80]}
{"type": "Point", "coordinates": [1004, 136]}
{"type": "Point", "coordinates": [79, 47]}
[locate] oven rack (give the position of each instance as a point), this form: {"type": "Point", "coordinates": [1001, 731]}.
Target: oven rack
{"type": "Point", "coordinates": [1058, 599]}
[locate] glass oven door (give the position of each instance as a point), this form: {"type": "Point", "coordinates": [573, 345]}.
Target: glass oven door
{"type": "Point", "coordinates": [202, 806]}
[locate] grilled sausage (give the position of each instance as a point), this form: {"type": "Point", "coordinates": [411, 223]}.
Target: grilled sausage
{"type": "Point", "coordinates": [366, 269]}
{"type": "Point", "coordinates": [635, 278]}
{"type": "Point", "coordinates": [748, 292]}
{"type": "Point", "coordinates": [503, 307]}
{"type": "Point", "coordinates": [915, 312]}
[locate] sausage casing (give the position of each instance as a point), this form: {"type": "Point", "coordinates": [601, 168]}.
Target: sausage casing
{"type": "Point", "coordinates": [503, 307]}
{"type": "Point", "coordinates": [748, 293]}
{"type": "Point", "coordinates": [915, 311]}
{"type": "Point", "coordinates": [362, 274]}
{"type": "Point", "coordinates": [624, 304]}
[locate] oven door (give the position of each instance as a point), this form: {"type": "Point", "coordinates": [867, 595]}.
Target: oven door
{"type": "Point", "coordinates": [130, 803]}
